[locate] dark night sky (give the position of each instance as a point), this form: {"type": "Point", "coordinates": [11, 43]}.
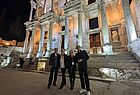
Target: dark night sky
{"type": "Point", "coordinates": [14, 9]}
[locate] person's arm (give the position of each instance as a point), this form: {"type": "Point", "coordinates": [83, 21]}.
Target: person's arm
{"type": "Point", "coordinates": [86, 56]}
{"type": "Point", "coordinates": [75, 66]}
{"type": "Point", "coordinates": [67, 62]}
{"type": "Point", "coordinates": [76, 58]}
{"type": "Point", "coordinates": [50, 60]}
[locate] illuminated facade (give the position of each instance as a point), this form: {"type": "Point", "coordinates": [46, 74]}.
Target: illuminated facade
{"type": "Point", "coordinates": [98, 26]}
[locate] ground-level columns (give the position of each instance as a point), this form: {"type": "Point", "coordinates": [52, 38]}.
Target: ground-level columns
{"type": "Point", "coordinates": [80, 28]}
{"type": "Point", "coordinates": [40, 52]}
{"type": "Point", "coordinates": [107, 47]}
{"type": "Point", "coordinates": [26, 41]}
{"type": "Point", "coordinates": [31, 44]}
{"type": "Point", "coordinates": [130, 28]}
{"type": "Point", "coordinates": [49, 40]}
{"type": "Point", "coordinates": [66, 42]}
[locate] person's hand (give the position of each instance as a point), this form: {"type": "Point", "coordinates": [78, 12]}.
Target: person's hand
{"type": "Point", "coordinates": [80, 60]}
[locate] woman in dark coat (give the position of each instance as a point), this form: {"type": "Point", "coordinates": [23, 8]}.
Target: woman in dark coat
{"type": "Point", "coordinates": [71, 68]}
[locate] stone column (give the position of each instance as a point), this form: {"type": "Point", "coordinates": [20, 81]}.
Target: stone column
{"type": "Point", "coordinates": [66, 42]}
{"type": "Point", "coordinates": [52, 4]}
{"type": "Point", "coordinates": [31, 13]}
{"type": "Point", "coordinates": [107, 48]}
{"type": "Point", "coordinates": [26, 41]}
{"type": "Point", "coordinates": [31, 44]}
{"type": "Point", "coordinates": [85, 38]}
{"type": "Point", "coordinates": [80, 28]}
{"type": "Point", "coordinates": [49, 41]}
{"type": "Point", "coordinates": [41, 43]}
{"type": "Point", "coordinates": [131, 32]}
{"type": "Point", "coordinates": [45, 8]}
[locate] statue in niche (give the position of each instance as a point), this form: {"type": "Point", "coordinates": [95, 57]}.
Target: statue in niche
{"type": "Point", "coordinates": [115, 37]}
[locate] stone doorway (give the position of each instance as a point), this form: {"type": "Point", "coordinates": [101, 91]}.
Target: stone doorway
{"type": "Point", "coordinates": [95, 43]}
{"type": "Point", "coordinates": [95, 40]}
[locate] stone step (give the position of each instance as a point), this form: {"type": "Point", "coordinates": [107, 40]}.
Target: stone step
{"type": "Point", "coordinates": [113, 65]}
{"type": "Point", "coordinates": [116, 44]}
{"type": "Point", "coordinates": [31, 67]}
{"type": "Point", "coordinates": [119, 49]}
{"type": "Point", "coordinates": [113, 58]}
{"type": "Point", "coordinates": [113, 61]}
{"type": "Point", "coordinates": [114, 55]}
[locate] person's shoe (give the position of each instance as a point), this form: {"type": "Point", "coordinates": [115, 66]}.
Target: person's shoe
{"type": "Point", "coordinates": [82, 91]}
{"type": "Point", "coordinates": [88, 93]}
{"type": "Point", "coordinates": [49, 86]}
{"type": "Point", "coordinates": [71, 88]}
{"type": "Point", "coordinates": [60, 87]}
{"type": "Point", "coordinates": [65, 83]}
{"type": "Point", "coordinates": [54, 84]}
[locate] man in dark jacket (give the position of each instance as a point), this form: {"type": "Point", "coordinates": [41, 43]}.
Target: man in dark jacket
{"type": "Point", "coordinates": [81, 58]}
{"type": "Point", "coordinates": [54, 63]}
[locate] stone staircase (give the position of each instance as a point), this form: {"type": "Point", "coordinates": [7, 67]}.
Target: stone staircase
{"type": "Point", "coordinates": [120, 60]}
{"type": "Point", "coordinates": [118, 47]}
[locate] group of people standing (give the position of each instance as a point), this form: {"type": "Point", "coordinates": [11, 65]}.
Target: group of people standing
{"type": "Point", "coordinates": [69, 62]}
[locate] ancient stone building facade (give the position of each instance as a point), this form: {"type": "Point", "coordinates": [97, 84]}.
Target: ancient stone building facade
{"type": "Point", "coordinates": [98, 26]}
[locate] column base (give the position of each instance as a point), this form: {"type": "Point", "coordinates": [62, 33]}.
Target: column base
{"type": "Point", "coordinates": [39, 54]}
{"type": "Point", "coordinates": [107, 49]}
